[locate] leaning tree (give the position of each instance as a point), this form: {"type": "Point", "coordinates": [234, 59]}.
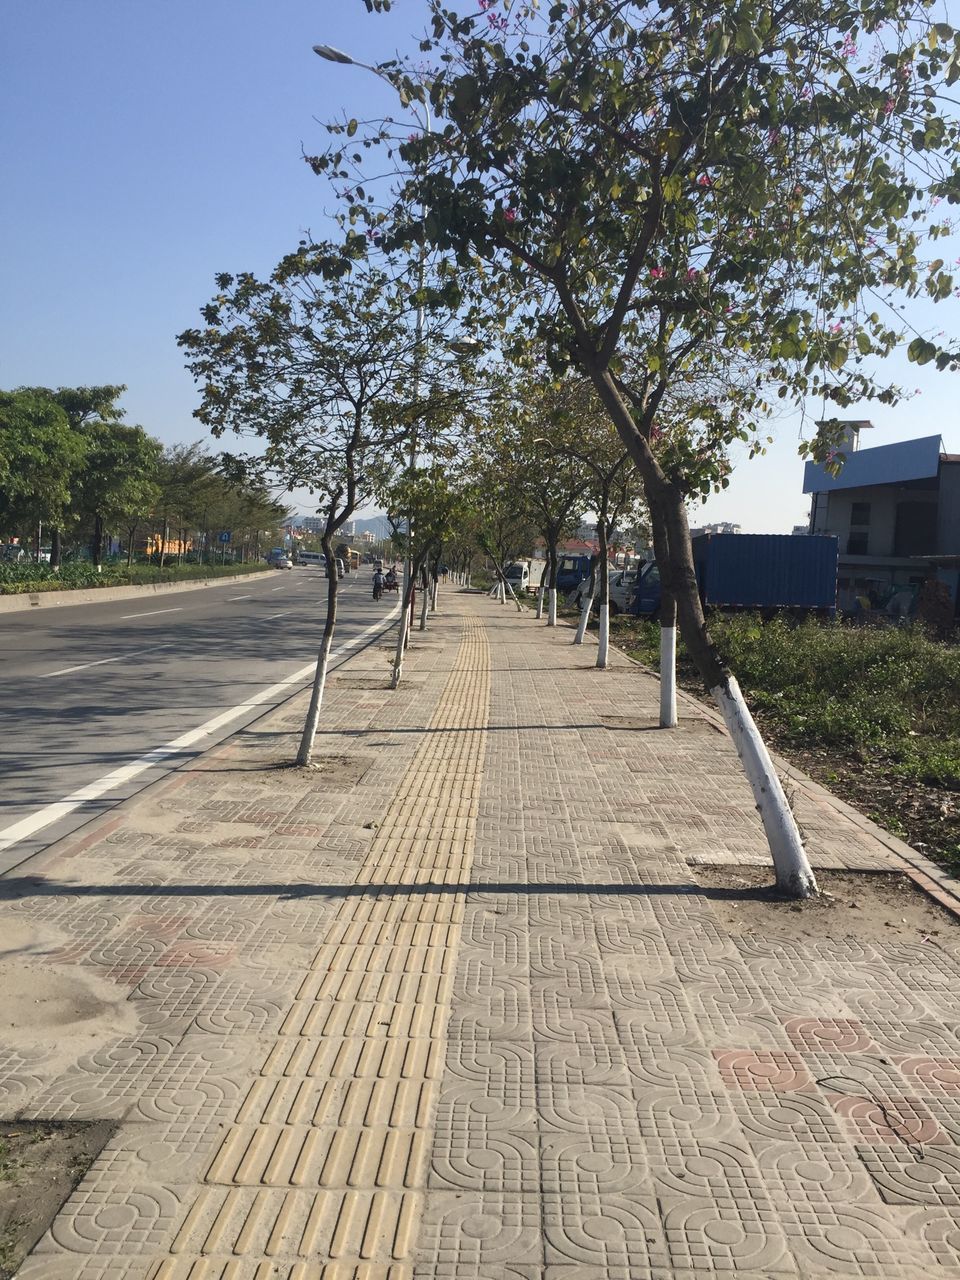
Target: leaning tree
{"type": "Point", "coordinates": [642, 185]}
{"type": "Point", "coordinates": [318, 367]}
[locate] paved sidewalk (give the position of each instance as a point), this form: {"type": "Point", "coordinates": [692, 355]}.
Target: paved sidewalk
{"type": "Point", "coordinates": [456, 1007]}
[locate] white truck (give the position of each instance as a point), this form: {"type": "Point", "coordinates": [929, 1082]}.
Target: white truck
{"type": "Point", "coordinates": [524, 575]}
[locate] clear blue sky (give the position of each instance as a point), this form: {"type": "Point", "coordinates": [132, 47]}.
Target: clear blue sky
{"type": "Point", "coordinates": [146, 147]}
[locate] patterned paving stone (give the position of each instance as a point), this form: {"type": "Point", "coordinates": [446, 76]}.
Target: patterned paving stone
{"type": "Point", "coordinates": [502, 1033]}
{"type": "Point", "coordinates": [854, 1240]}
{"type": "Point", "coordinates": [471, 1230]}
{"type": "Point", "coordinates": [707, 1236]}
{"type": "Point", "coordinates": [922, 1175]}
{"type": "Point", "coordinates": [607, 1231]}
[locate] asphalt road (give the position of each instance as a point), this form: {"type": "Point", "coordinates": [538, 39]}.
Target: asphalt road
{"type": "Point", "coordinates": [99, 701]}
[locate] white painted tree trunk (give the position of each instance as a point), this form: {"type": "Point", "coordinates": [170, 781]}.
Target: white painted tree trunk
{"type": "Point", "coordinates": [305, 754]}
{"type": "Point", "coordinates": [668, 677]}
{"type": "Point", "coordinates": [794, 874]}
{"type": "Point", "coordinates": [503, 592]}
{"type": "Point", "coordinates": [434, 595]}
{"type": "Point", "coordinates": [307, 738]}
{"type": "Point", "coordinates": [513, 597]}
{"type": "Point", "coordinates": [603, 648]}
{"type": "Point", "coordinates": [586, 606]}
{"type": "Point", "coordinates": [552, 607]}
{"type": "Point", "coordinates": [402, 628]}
{"type": "Point", "coordinates": [540, 594]}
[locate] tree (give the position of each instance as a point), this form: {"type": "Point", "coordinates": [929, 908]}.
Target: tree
{"type": "Point", "coordinates": [613, 492]}
{"type": "Point", "coordinates": [119, 478]}
{"type": "Point", "coordinates": [648, 188]}
{"type": "Point", "coordinates": [425, 510]}
{"type": "Point", "coordinates": [319, 370]}
{"type": "Point", "coordinates": [551, 487]}
{"type": "Point", "coordinates": [41, 459]}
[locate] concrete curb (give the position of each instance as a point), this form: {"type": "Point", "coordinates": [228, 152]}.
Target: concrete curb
{"type": "Point", "coordinates": [94, 595]}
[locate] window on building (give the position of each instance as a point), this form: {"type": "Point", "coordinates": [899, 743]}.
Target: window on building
{"type": "Point", "coordinates": [915, 533]}
{"type": "Point", "coordinates": [860, 513]}
{"type": "Point", "coordinates": [857, 542]}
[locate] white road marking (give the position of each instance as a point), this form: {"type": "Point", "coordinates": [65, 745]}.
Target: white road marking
{"type": "Point", "coordinates": [151, 614]}
{"type": "Point", "coordinates": [65, 671]}
{"type": "Point", "coordinates": [185, 746]}
{"type": "Point", "coordinates": [278, 588]}
{"type": "Point", "coordinates": [282, 614]}
{"type": "Point", "coordinates": [247, 597]}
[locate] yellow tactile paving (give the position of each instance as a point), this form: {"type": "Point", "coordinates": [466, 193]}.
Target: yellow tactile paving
{"type": "Point", "coordinates": [323, 1169]}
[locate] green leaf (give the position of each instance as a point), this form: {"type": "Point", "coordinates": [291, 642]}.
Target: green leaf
{"type": "Point", "coordinates": [351, 128]}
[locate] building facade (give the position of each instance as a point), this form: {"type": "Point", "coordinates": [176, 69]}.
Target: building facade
{"type": "Point", "coordinates": [896, 512]}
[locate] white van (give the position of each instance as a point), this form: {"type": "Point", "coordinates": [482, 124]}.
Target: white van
{"type": "Point", "coordinates": [518, 575]}
{"type": "Point", "coordinates": [311, 558]}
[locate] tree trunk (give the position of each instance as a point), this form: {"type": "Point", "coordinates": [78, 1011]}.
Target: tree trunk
{"type": "Point", "coordinates": [668, 661]}
{"type": "Point", "coordinates": [554, 564]}
{"type": "Point", "coordinates": [305, 754]}
{"type": "Point", "coordinates": [425, 602]}
{"type": "Point", "coordinates": [403, 625]}
{"type": "Point", "coordinates": [586, 603]}
{"type": "Point", "coordinates": [603, 648]}
{"type": "Point", "coordinates": [513, 596]}
{"type": "Point", "coordinates": [56, 548]}
{"type": "Point", "coordinates": [678, 576]}
{"type": "Point", "coordinates": [97, 547]}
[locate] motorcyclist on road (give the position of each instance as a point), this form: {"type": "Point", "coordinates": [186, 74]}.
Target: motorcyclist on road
{"type": "Point", "coordinates": [377, 584]}
{"type": "Point", "coordinates": [391, 579]}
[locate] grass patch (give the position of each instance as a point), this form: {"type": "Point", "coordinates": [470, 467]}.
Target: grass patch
{"type": "Point", "coordinates": [872, 713]}
{"type": "Point", "coordinates": [18, 579]}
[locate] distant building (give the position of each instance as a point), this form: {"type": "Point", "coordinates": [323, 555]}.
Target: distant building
{"type": "Point", "coordinates": [721, 526]}
{"type": "Point", "coordinates": [366, 536]}
{"type": "Point", "coordinates": [896, 512]}
{"type": "Point", "coordinates": [799, 529]}
{"type": "Point", "coordinates": [308, 524]}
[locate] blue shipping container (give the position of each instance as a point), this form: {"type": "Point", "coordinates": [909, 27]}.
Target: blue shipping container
{"type": "Point", "coordinates": [767, 570]}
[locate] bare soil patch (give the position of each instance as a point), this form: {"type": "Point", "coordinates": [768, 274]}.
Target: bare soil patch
{"type": "Point", "coordinates": [867, 905]}
{"type": "Point", "coordinates": [336, 771]}
{"type": "Point", "coordinates": [40, 1164]}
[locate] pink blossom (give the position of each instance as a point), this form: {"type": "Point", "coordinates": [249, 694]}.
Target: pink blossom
{"type": "Point", "coordinates": [848, 49]}
{"type": "Point", "coordinates": [657, 273]}
{"type": "Point", "coordinates": [704, 180]}
{"type": "Point", "coordinates": [888, 106]}
{"type": "Point", "coordinates": [509, 215]}
{"type": "Point", "coordinates": [836, 328]}
{"type": "Point", "coordinates": [806, 93]}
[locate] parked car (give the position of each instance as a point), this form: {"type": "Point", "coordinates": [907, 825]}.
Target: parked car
{"type": "Point", "coordinates": [282, 562]}
{"type": "Point", "coordinates": [622, 584]}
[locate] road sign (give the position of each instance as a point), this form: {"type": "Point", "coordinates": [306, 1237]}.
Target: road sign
{"type": "Point", "coordinates": [224, 535]}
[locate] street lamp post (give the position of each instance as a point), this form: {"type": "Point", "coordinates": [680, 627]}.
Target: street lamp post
{"type": "Point", "coordinates": [330, 54]}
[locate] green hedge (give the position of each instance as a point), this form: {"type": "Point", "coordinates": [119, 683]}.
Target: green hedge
{"type": "Point", "coordinates": [16, 579]}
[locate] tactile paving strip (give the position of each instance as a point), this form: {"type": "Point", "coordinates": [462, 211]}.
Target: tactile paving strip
{"type": "Point", "coordinates": [328, 1156]}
